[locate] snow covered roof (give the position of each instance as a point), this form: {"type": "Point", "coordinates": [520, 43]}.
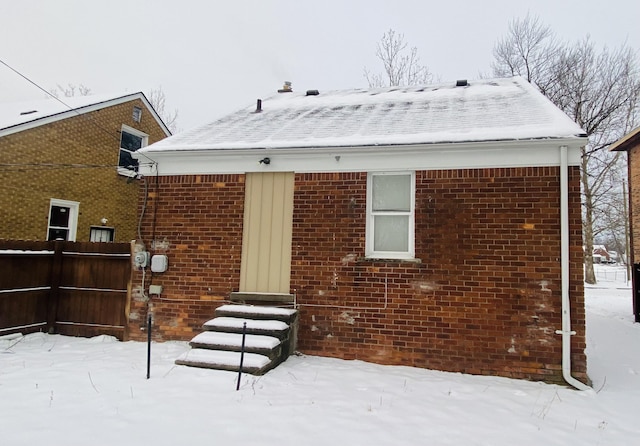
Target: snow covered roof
{"type": "Point", "coordinates": [18, 116]}
{"type": "Point", "coordinates": [483, 110]}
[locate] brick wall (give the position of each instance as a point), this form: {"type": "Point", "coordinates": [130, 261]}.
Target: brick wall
{"type": "Point", "coordinates": [485, 297]}
{"type": "Point", "coordinates": [91, 139]}
{"type": "Point", "coordinates": [197, 222]}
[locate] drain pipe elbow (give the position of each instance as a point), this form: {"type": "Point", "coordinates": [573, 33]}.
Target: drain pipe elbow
{"type": "Point", "coordinates": [566, 331]}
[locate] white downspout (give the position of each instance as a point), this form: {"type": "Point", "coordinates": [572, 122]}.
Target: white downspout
{"type": "Point", "coordinates": [564, 253]}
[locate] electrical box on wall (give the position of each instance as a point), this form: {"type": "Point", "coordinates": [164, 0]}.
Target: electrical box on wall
{"type": "Point", "coordinates": [159, 263]}
{"type": "Point", "coordinates": [141, 259]}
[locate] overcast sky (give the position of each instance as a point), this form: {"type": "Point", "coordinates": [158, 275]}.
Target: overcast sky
{"type": "Point", "coordinates": [213, 57]}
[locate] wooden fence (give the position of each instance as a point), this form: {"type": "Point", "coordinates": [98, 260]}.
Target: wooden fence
{"type": "Point", "coordinates": [71, 288]}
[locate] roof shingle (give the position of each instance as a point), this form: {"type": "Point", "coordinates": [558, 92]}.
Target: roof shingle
{"type": "Point", "coordinates": [484, 110]}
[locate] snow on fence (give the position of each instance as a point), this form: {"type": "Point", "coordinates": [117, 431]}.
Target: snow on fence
{"type": "Point", "coordinates": [73, 288]}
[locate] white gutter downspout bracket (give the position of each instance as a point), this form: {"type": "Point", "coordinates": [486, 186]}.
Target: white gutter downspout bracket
{"type": "Point", "coordinates": [566, 331]}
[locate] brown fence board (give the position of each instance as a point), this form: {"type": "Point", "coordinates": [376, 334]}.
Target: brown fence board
{"type": "Point", "coordinates": [86, 287]}
{"type": "Point", "coordinates": [26, 310]}
{"type": "Point", "coordinates": [21, 270]}
{"type": "Point", "coordinates": [91, 307]}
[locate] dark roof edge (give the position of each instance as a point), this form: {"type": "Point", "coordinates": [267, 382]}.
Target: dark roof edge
{"type": "Point", "coordinates": [628, 141]}
{"type": "Point", "coordinates": [90, 107]}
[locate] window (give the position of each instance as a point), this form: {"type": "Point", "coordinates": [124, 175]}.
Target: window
{"type": "Point", "coordinates": [101, 234]}
{"type": "Point", "coordinates": [130, 141]}
{"type": "Point", "coordinates": [137, 114]}
{"type": "Point", "coordinates": [390, 215]}
{"type": "Point", "coordinates": [63, 220]}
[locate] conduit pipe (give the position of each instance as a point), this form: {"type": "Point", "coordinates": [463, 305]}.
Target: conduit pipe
{"type": "Point", "coordinates": [564, 258]}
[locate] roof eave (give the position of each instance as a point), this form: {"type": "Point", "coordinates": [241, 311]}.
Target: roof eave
{"type": "Point", "coordinates": [574, 140]}
{"type": "Point", "coordinates": [627, 142]}
{"type": "Point", "coordinates": [522, 153]}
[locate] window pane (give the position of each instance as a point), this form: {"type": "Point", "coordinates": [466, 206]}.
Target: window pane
{"type": "Point", "coordinates": [127, 161]}
{"type": "Point", "coordinates": [391, 233]}
{"type": "Point", "coordinates": [391, 192]}
{"type": "Point", "coordinates": [101, 234]}
{"type": "Point", "coordinates": [130, 142]}
{"type": "Point", "coordinates": [137, 114]}
{"type": "Point", "coordinates": [59, 216]}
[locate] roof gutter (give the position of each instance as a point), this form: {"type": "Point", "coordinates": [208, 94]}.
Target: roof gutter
{"type": "Point", "coordinates": [564, 249]}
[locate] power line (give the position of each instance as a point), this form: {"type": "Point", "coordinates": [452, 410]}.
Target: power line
{"type": "Point", "coordinates": [12, 166]}
{"type": "Point", "coordinates": [48, 93]}
{"type": "Point", "coordinates": [34, 84]}
{"type": "Point", "coordinates": [84, 115]}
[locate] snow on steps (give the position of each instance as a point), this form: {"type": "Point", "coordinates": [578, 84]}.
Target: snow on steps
{"type": "Point", "coordinates": [223, 360]}
{"type": "Point", "coordinates": [270, 338]}
{"type": "Point", "coordinates": [211, 340]}
{"type": "Point", "coordinates": [276, 329]}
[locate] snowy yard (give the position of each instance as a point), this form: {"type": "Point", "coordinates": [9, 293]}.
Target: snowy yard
{"type": "Point", "coordinates": [63, 390]}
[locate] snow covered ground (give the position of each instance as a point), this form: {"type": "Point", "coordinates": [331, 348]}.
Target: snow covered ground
{"type": "Point", "coordinates": [63, 390]}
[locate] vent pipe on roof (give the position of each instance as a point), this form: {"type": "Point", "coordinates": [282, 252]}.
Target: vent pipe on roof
{"type": "Point", "coordinates": [462, 83]}
{"type": "Point", "coordinates": [286, 88]}
{"type": "Point", "coordinates": [259, 106]}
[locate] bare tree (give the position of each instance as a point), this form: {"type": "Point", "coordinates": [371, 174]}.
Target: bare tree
{"type": "Point", "coordinates": [528, 50]}
{"type": "Point", "coordinates": [600, 91]}
{"type": "Point", "coordinates": [157, 99]}
{"type": "Point", "coordinates": [401, 64]}
{"type": "Point", "coordinates": [70, 90]}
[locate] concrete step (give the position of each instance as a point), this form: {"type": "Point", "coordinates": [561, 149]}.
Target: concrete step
{"type": "Point", "coordinates": [253, 363]}
{"type": "Point", "coordinates": [264, 345]}
{"type": "Point", "coordinates": [256, 312]}
{"type": "Point", "coordinates": [276, 329]}
{"type": "Point", "coordinates": [270, 339]}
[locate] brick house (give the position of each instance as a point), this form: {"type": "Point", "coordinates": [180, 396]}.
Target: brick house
{"type": "Point", "coordinates": [435, 226]}
{"type": "Point", "coordinates": [67, 170]}
{"type": "Point", "coordinates": [630, 143]}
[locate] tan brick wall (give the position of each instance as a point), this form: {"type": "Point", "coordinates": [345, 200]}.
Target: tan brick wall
{"type": "Point", "coordinates": [91, 139]}
{"type": "Point", "coordinates": [485, 299]}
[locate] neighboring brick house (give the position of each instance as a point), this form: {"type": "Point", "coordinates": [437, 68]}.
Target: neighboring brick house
{"type": "Point", "coordinates": [435, 226]}
{"type": "Point", "coordinates": [66, 168]}
{"type": "Point", "coordinates": [630, 143]}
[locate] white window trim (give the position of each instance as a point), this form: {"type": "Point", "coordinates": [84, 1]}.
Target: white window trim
{"type": "Point", "coordinates": [94, 229]}
{"type": "Point", "coordinates": [73, 216]}
{"type": "Point", "coordinates": [145, 142]}
{"type": "Point", "coordinates": [369, 247]}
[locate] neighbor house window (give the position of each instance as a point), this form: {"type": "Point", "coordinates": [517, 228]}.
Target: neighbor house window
{"type": "Point", "coordinates": [130, 141]}
{"type": "Point", "coordinates": [390, 215]}
{"type": "Point", "coordinates": [63, 220]}
{"type": "Point", "coordinates": [137, 114]}
{"type": "Point", "coordinates": [101, 234]}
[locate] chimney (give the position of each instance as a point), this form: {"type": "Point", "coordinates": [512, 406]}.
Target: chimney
{"type": "Point", "coordinates": [286, 88]}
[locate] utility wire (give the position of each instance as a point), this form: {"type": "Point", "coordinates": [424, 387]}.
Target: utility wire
{"type": "Point", "coordinates": [48, 93]}
{"type": "Point", "coordinates": [32, 82]}
{"type": "Point", "coordinates": [13, 166]}
{"type": "Point", "coordinates": [84, 115]}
